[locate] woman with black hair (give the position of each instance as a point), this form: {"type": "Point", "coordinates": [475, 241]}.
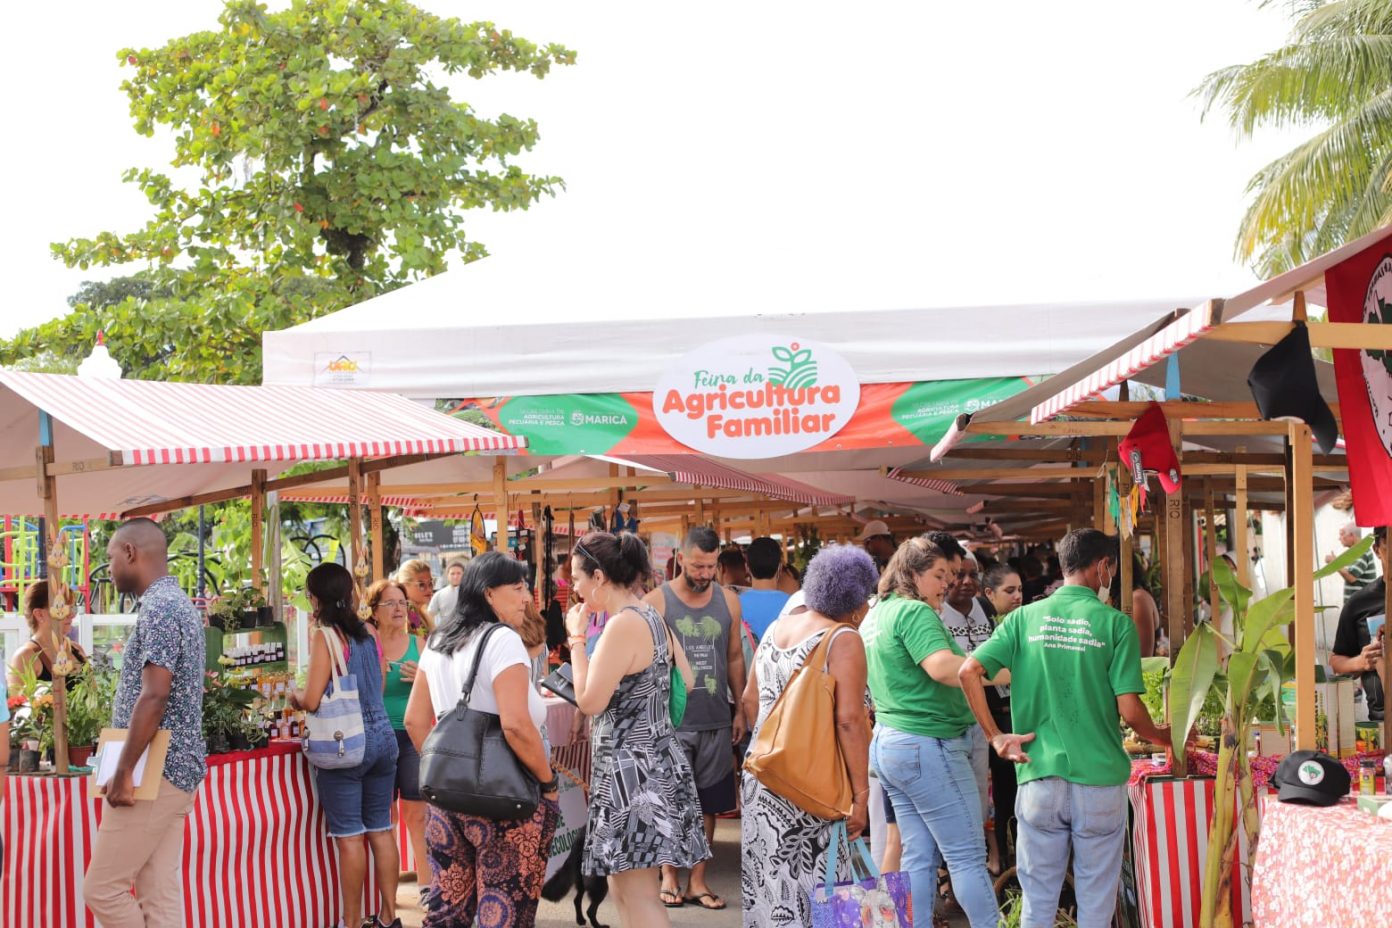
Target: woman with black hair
{"type": "Point", "coordinates": [644, 811]}
{"type": "Point", "coordinates": [357, 800]}
{"type": "Point", "coordinates": [1144, 612]}
{"type": "Point", "coordinates": [492, 869]}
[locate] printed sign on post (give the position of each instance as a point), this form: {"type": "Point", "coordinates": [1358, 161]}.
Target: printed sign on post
{"type": "Point", "coordinates": [756, 396]}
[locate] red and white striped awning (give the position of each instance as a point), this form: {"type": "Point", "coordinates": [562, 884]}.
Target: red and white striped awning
{"type": "Point", "coordinates": [1162, 344]}
{"type": "Point", "coordinates": [699, 471]}
{"type": "Point", "coordinates": [153, 422]}
{"type": "Point", "coordinates": [939, 486]}
{"type": "Point", "coordinates": [124, 444]}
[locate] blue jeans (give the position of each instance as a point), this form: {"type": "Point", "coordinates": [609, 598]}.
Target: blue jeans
{"type": "Point", "coordinates": [358, 800]}
{"type": "Point", "coordinates": [934, 792]}
{"type": "Point", "coordinates": [1054, 813]}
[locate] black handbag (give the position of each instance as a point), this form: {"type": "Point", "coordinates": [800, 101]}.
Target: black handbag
{"type": "Point", "coordinates": [467, 766]}
{"type": "Point", "coordinates": [560, 682]}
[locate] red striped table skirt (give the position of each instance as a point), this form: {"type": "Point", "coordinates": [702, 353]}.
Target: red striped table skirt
{"type": "Point", "coordinates": [256, 849]}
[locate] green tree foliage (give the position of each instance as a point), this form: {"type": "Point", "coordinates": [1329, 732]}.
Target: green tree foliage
{"type": "Point", "coordinates": [330, 165]}
{"type": "Point", "coordinates": [1335, 77]}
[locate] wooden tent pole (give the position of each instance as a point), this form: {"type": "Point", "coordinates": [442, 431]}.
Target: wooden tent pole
{"type": "Point", "coordinates": [1215, 599]}
{"type": "Point", "coordinates": [355, 551]}
{"type": "Point", "coordinates": [375, 534]}
{"type": "Point", "coordinates": [1301, 514]}
{"type": "Point", "coordinates": [1176, 605]}
{"type": "Point", "coordinates": [258, 530]}
{"type": "Point", "coordinates": [1241, 541]}
{"type": "Point", "coordinates": [500, 503]}
{"type": "Point", "coordinates": [60, 599]}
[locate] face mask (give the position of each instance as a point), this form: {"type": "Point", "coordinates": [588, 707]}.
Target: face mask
{"type": "Point", "coordinates": [1104, 592]}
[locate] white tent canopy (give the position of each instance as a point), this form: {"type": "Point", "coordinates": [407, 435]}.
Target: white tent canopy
{"type": "Point", "coordinates": [503, 327]}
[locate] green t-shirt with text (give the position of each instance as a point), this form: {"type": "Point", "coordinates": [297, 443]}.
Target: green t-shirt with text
{"type": "Point", "coordinates": [1069, 657]}
{"type": "Point", "coordinates": [898, 634]}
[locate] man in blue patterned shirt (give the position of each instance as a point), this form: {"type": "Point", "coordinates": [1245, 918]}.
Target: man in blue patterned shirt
{"type": "Point", "coordinates": [141, 843]}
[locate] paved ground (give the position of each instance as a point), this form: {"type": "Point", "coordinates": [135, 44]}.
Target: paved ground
{"type": "Point", "coordinates": [724, 878]}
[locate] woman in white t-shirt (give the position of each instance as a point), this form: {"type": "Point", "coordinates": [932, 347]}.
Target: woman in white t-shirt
{"type": "Point", "coordinates": [502, 862]}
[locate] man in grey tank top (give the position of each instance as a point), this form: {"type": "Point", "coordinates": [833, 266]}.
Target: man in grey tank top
{"type": "Point", "coordinates": [706, 618]}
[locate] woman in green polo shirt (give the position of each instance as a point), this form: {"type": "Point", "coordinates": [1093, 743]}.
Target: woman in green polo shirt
{"type": "Point", "coordinates": [922, 744]}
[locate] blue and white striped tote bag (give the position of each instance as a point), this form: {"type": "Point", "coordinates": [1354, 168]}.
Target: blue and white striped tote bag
{"type": "Point", "coordinates": [333, 735]}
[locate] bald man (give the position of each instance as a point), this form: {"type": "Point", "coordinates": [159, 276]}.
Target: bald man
{"type": "Point", "coordinates": [1358, 575]}
{"type": "Point", "coordinates": [141, 842]}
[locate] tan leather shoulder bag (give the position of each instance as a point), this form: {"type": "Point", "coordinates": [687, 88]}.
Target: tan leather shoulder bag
{"type": "Point", "coordinates": [797, 727]}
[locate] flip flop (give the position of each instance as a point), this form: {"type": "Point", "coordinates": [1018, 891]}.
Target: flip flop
{"type": "Point", "coordinates": [665, 894]}
{"type": "Point", "coordinates": [700, 899]}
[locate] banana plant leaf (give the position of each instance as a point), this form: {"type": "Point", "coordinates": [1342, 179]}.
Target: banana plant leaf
{"type": "Point", "coordinates": [1195, 667]}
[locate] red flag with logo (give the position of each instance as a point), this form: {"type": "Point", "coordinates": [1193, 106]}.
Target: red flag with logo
{"type": "Point", "coordinates": [1360, 290]}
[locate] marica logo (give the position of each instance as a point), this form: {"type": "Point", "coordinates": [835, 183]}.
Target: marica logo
{"type": "Point", "coordinates": [1377, 363]}
{"type": "Point", "coordinates": [578, 418]}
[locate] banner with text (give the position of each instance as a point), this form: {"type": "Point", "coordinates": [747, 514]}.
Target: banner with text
{"type": "Point", "coordinates": [882, 415]}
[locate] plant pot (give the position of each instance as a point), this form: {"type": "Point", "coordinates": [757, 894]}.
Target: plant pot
{"type": "Point", "coordinates": [238, 742]}
{"type": "Point", "coordinates": [265, 616]}
{"type": "Point", "coordinates": [28, 761]}
{"type": "Point", "coordinates": [78, 755]}
{"type": "Point", "coordinates": [248, 618]}
{"type": "Point", "coordinates": [215, 621]}
{"type": "Point", "coordinates": [217, 744]}
{"type": "Point", "coordinates": [14, 761]}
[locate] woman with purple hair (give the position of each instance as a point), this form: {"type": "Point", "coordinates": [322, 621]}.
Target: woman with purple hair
{"type": "Point", "coordinates": [783, 845]}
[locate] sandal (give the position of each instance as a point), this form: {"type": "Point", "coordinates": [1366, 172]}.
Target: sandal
{"type": "Point", "coordinates": [700, 899]}
{"type": "Point", "coordinates": [669, 894]}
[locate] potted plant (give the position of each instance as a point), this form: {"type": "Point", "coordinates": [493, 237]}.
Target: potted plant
{"type": "Point", "coordinates": [257, 609]}
{"type": "Point", "coordinates": [32, 726]}
{"type": "Point", "coordinates": [24, 734]}
{"type": "Point", "coordinates": [1258, 661]}
{"type": "Point", "coordinates": [222, 614]}
{"type": "Point", "coordinates": [90, 700]}
{"type": "Point", "coordinates": [223, 706]}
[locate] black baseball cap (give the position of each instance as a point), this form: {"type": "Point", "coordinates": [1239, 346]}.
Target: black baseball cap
{"type": "Point", "coordinates": [1311, 778]}
{"type": "Point", "coordinates": [1285, 386]}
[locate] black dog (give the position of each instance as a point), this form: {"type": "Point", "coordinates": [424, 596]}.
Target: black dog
{"type": "Point", "coordinates": [570, 875]}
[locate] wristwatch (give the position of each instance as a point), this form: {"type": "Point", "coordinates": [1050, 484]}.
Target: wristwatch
{"type": "Point", "coordinates": [552, 786]}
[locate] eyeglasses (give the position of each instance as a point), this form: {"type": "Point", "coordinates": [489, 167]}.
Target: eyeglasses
{"type": "Point", "coordinates": [423, 584]}
{"type": "Point", "coordinates": [392, 604]}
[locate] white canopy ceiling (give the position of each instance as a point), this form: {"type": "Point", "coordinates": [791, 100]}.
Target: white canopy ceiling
{"type": "Point", "coordinates": [504, 327]}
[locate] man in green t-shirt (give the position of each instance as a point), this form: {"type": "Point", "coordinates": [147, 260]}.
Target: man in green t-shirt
{"type": "Point", "coordinates": [1075, 668]}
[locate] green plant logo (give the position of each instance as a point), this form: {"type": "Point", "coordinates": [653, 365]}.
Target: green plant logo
{"type": "Point", "coordinates": [1382, 314]}
{"type": "Point", "coordinates": [1311, 773]}
{"type": "Point", "coordinates": [801, 369]}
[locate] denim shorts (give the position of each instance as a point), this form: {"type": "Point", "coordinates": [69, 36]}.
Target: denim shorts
{"type": "Point", "coordinates": [359, 799]}
{"type": "Point", "coordinates": [407, 785]}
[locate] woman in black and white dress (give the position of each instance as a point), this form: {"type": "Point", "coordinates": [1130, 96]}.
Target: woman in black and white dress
{"type": "Point", "coordinates": [644, 811]}
{"type": "Point", "coordinates": [782, 845]}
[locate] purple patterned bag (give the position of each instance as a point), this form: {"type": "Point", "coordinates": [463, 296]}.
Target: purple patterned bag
{"type": "Point", "coordinates": [877, 901]}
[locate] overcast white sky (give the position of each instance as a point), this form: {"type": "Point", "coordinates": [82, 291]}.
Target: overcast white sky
{"type": "Point", "coordinates": [952, 154]}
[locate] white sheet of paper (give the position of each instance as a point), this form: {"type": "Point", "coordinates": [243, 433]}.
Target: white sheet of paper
{"type": "Point", "coordinates": [110, 757]}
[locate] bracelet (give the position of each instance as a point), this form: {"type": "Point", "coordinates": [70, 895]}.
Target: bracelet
{"type": "Point", "coordinates": [576, 639]}
{"type": "Point", "coordinates": [552, 785]}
